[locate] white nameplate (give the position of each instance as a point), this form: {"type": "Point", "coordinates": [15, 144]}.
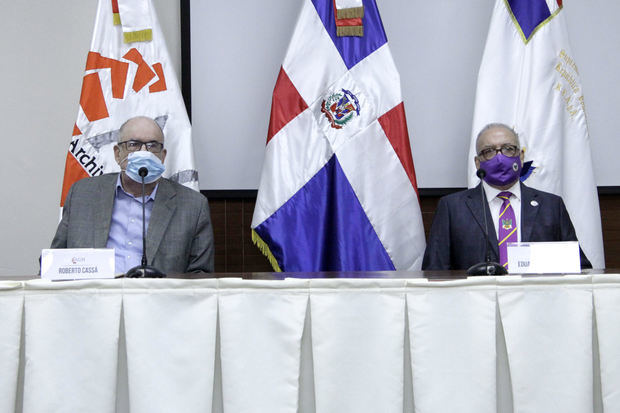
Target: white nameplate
{"type": "Point", "coordinates": [543, 257]}
{"type": "Point", "coordinates": [77, 263]}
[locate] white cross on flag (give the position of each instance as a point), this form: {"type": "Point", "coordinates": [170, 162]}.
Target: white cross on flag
{"type": "Point", "coordinates": [338, 189]}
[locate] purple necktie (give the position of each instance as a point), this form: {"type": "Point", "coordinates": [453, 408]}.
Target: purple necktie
{"type": "Point", "coordinates": [507, 227]}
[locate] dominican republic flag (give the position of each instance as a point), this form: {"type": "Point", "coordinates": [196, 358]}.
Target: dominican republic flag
{"type": "Point", "coordinates": [338, 189]}
{"type": "Point", "coordinates": [529, 80]}
{"type": "Point", "coordinates": [128, 73]}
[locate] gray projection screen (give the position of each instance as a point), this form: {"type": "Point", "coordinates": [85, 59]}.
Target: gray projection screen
{"type": "Point", "coordinates": [237, 49]}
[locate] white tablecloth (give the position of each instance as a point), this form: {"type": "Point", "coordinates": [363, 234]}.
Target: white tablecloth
{"type": "Point", "coordinates": [506, 344]}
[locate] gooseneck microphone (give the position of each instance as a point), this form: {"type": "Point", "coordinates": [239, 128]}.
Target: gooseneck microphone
{"type": "Point", "coordinates": [487, 267]}
{"type": "Point", "coordinates": [144, 270]}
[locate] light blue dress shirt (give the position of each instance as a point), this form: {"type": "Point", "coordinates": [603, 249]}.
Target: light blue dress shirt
{"type": "Point", "coordinates": [126, 227]}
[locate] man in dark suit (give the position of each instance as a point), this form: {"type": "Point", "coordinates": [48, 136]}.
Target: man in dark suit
{"type": "Point", "coordinates": [106, 211]}
{"type": "Point", "coordinates": [514, 212]}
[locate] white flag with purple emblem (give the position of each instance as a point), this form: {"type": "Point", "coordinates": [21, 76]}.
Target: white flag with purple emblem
{"type": "Point", "coordinates": [338, 188]}
{"type": "Point", "coordinates": [529, 80]}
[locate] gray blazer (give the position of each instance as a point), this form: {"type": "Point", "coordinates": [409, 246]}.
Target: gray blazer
{"type": "Point", "coordinates": [179, 237]}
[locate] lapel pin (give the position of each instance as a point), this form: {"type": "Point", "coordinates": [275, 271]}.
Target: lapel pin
{"type": "Point", "coordinates": [534, 203]}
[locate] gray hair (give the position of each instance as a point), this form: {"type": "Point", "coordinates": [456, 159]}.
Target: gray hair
{"type": "Point", "coordinates": [497, 125]}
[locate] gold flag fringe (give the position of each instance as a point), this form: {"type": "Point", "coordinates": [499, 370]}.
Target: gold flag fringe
{"type": "Point", "coordinates": [350, 13]}
{"type": "Point", "coordinates": [264, 248]}
{"type": "Point", "coordinates": [116, 19]}
{"type": "Point", "coordinates": [342, 31]}
{"type": "Point", "coordinates": [145, 35]}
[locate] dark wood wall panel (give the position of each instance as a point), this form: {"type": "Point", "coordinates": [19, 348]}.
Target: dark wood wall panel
{"type": "Point", "coordinates": [610, 219]}
{"type": "Point", "coordinates": [235, 252]}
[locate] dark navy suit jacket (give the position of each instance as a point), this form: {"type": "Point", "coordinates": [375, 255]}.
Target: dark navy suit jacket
{"type": "Point", "coordinates": [456, 240]}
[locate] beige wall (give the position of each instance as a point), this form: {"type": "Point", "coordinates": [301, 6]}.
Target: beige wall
{"type": "Point", "coordinates": [44, 46]}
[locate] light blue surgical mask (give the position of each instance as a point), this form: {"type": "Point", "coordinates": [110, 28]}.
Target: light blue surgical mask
{"type": "Point", "coordinates": [148, 160]}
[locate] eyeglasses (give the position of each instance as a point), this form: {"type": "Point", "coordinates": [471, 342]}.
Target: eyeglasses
{"type": "Point", "coordinates": [134, 146]}
{"type": "Point", "coordinates": [507, 150]}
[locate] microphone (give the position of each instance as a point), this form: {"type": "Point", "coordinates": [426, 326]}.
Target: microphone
{"type": "Point", "coordinates": [487, 267]}
{"type": "Point", "coordinates": [144, 270]}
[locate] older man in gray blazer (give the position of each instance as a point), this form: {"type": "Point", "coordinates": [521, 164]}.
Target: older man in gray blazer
{"type": "Point", "coordinates": [106, 211]}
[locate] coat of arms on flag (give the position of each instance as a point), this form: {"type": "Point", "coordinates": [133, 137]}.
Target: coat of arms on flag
{"type": "Point", "coordinates": [128, 73]}
{"type": "Point", "coordinates": [340, 108]}
{"type": "Point", "coordinates": [528, 79]}
{"type": "Point", "coordinates": [338, 189]}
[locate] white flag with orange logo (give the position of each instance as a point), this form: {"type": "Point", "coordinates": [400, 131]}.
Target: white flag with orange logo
{"type": "Point", "coordinates": [128, 73]}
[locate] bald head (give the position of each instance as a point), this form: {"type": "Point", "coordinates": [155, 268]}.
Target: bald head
{"type": "Point", "coordinates": [141, 126]}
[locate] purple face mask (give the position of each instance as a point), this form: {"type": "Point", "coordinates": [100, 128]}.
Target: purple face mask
{"type": "Point", "coordinates": [502, 170]}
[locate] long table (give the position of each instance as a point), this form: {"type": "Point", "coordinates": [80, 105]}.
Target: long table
{"type": "Point", "coordinates": [484, 344]}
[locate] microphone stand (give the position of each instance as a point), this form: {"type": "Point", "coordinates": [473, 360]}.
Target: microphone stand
{"type": "Point", "coordinates": [487, 267]}
{"type": "Point", "coordinates": [144, 270]}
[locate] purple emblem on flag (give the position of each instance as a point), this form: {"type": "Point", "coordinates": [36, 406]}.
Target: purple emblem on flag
{"type": "Point", "coordinates": [529, 14]}
{"type": "Point", "coordinates": [527, 170]}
